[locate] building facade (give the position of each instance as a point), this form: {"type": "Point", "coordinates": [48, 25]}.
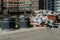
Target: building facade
{"type": "Point", "coordinates": [11, 6]}
{"type": "Point", "coordinates": [0, 5]}
{"type": "Point", "coordinates": [50, 5]}
{"type": "Point", "coordinates": [57, 7]}
{"type": "Point", "coordinates": [42, 4]}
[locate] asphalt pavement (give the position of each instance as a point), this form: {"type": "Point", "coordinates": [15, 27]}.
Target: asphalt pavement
{"type": "Point", "coordinates": [45, 34]}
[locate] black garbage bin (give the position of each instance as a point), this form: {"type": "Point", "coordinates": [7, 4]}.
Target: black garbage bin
{"type": "Point", "coordinates": [58, 18]}
{"type": "Point", "coordinates": [12, 23]}
{"type": "Point", "coordinates": [24, 22]}
{"type": "Point", "coordinates": [5, 24]}
{"type": "Point", "coordinates": [28, 19]}
{"type": "Point", "coordinates": [8, 23]}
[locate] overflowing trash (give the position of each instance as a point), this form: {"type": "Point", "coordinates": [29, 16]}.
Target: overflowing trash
{"type": "Point", "coordinates": [40, 18]}
{"type": "Point", "coordinates": [43, 18]}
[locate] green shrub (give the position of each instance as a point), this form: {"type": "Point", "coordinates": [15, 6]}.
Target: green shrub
{"type": "Point", "coordinates": [16, 22]}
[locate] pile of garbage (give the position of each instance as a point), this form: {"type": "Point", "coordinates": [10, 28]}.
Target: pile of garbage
{"type": "Point", "coordinates": [43, 18]}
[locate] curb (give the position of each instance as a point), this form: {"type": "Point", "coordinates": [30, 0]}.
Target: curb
{"type": "Point", "coordinates": [22, 30]}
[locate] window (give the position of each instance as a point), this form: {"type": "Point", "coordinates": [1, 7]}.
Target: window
{"type": "Point", "coordinates": [58, 11]}
{"type": "Point", "coordinates": [35, 7]}
{"type": "Point", "coordinates": [16, 8]}
{"type": "Point", "coordinates": [58, 8]}
{"type": "Point", "coordinates": [52, 9]}
{"type": "Point", "coordinates": [21, 2]}
{"type": "Point", "coordinates": [58, 5]}
{"type": "Point", "coordinates": [16, 2]}
{"type": "Point", "coordinates": [21, 8]}
{"type": "Point", "coordinates": [49, 6]}
{"type": "Point", "coordinates": [10, 8]}
{"type": "Point", "coordinates": [13, 8]}
{"type": "Point", "coordinates": [48, 0]}
{"type": "Point", "coordinates": [58, 0]}
{"type": "Point", "coordinates": [28, 7]}
{"type": "Point", "coordinates": [0, 3]}
{"type": "Point", "coordinates": [0, 9]}
{"type": "Point", "coordinates": [34, 2]}
{"type": "Point", "coordinates": [52, 5]}
{"type": "Point", "coordinates": [4, 3]}
{"type": "Point", "coordinates": [10, 2]}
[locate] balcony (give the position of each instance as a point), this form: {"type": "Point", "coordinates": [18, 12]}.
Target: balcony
{"type": "Point", "coordinates": [21, 8]}
{"type": "Point", "coordinates": [58, 2]}
{"type": "Point", "coordinates": [28, 2]}
{"type": "Point", "coordinates": [58, 8]}
{"type": "Point", "coordinates": [34, 2]}
{"type": "Point", "coordinates": [35, 8]}
{"type": "Point", "coordinates": [12, 5]}
{"type": "Point", "coordinates": [28, 7]}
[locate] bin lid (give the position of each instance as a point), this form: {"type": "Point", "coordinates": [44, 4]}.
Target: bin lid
{"type": "Point", "coordinates": [6, 19]}
{"type": "Point", "coordinates": [22, 19]}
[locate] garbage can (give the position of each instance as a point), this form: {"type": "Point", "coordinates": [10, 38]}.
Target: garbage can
{"type": "Point", "coordinates": [27, 19]}
{"type": "Point", "coordinates": [58, 18]}
{"type": "Point", "coordinates": [23, 22]}
{"type": "Point", "coordinates": [12, 23]}
{"type": "Point", "coordinates": [5, 24]}
{"type": "Point", "coordinates": [8, 23]}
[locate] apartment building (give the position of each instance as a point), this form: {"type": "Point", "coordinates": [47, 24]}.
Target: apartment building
{"type": "Point", "coordinates": [57, 7]}
{"type": "Point", "coordinates": [1, 10]}
{"type": "Point", "coordinates": [20, 6]}
{"type": "Point", "coordinates": [50, 5]}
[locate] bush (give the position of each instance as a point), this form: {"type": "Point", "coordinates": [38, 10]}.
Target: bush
{"type": "Point", "coordinates": [16, 22]}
